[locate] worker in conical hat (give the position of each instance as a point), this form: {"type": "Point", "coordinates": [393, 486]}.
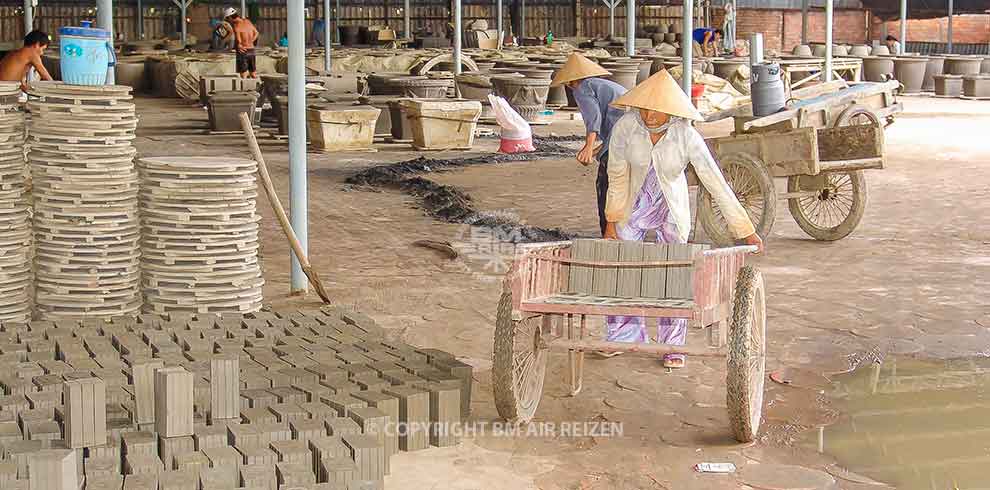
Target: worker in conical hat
{"type": "Point", "coordinates": [594, 96]}
{"type": "Point", "coordinates": [651, 147]}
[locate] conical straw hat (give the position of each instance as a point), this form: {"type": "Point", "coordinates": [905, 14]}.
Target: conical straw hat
{"type": "Point", "coordinates": [578, 67]}
{"type": "Point", "coordinates": [660, 93]}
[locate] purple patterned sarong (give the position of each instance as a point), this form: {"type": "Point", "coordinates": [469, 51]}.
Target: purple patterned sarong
{"type": "Point", "coordinates": [650, 212]}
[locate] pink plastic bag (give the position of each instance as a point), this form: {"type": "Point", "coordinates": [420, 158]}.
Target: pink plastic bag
{"type": "Point", "coordinates": [516, 146]}
{"type": "Point", "coordinates": [517, 136]}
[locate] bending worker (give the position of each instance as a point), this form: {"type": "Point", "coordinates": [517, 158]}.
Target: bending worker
{"type": "Point", "coordinates": [651, 146]}
{"type": "Point", "coordinates": [708, 38]}
{"type": "Point", "coordinates": [594, 97]}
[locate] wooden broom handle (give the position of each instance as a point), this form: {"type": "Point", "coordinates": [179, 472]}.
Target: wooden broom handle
{"type": "Point", "coordinates": [283, 219]}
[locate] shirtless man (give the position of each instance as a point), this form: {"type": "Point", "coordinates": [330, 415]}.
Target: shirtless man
{"type": "Point", "coordinates": [14, 67]}
{"type": "Point", "coordinates": [246, 35]}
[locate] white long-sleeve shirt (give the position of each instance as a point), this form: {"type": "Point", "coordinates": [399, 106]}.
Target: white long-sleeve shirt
{"type": "Point", "coordinates": [631, 153]}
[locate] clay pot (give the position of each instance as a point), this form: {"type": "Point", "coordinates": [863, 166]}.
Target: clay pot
{"type": "Point", "coordinates": [976, 86]}
{"type": "Point", "coordinates": [663, 28]}
{"type": "Point", "coordinates": [802, 50]}
{"type": "Point", "coordinates": [725, 69]}
{"type": "Point", "coordinates": [985, 65]}
{"type": "Point", "coordinates": [910, 71]}
{"type": "Point", "coordinates": [934, 67]}
{"type": "Point", "coordinates": [557, 95]}
{"type": "Point", "coordinates": [484, 66]}
{"type": "Point", "coordinates": [645, 68]}
{"type": "Point", "coordinates": [881, 50]}
{"type": "Point", "coordinates": [948, 85]}
{"type": "Point", "coordinates": [350, 35]}
{"type": "Point", "coordinates": [963, 65]}
{"type": "Point", "coordinates": [877, 68]}
{"type": "Point", "coordinates": [860, 51]}
{"type": "Point", "coordinates": [378, 83]}
{"type": "Point", "coordinates": [521, 91]}
{"type": "Point", "coordinates": [818, 50]}
{"type": "Point", "coordinates": [840, 50]}
{"type": "Point", "coordinates": [670, 38]}
{"type": "Point", "coordinates": [624, 75]}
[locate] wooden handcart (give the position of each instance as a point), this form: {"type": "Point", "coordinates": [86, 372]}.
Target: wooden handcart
{"type": "Point", "coordinates": [820, 144]}
{"type": "Point", "coordinates": [551, 289]}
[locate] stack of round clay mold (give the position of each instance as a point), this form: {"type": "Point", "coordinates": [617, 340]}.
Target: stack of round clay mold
{"type": "Point", "coordinates": [85, 188]}
{"type": "Point", "coordinates": [15, 222]}
{"type": "Point", "coordinates": [199, 235]}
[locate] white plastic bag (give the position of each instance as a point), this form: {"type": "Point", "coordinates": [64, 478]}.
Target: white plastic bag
{"type": "Point", "coordinates": [514, 126]}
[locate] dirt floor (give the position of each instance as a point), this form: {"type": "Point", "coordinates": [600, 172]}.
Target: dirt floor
{"type": "Point", "coordinates": [911, 280]}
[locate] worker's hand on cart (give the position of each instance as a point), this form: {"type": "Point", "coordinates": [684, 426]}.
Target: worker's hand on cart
{"type": "Point", "coordinates": [755, 240]}
{"type": "Point", "coordinates": [610, 231]}
{"type": "Point", "coordinates": [587, 155]}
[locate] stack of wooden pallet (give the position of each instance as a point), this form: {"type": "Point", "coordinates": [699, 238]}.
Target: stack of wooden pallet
{"type": "Point", "coordinates": [15, 225]}
{"type": "Point", "coordinates": [85, 200]}
{"type": "Point", "coordinates": [199, 247]}
{"type": "Point", "coordinates": [323, 401]}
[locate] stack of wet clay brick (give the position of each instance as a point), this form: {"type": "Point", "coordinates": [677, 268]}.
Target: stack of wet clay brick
{"type": "Point", "coordinates": [268, 400]}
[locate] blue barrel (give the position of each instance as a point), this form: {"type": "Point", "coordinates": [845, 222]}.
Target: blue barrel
{"type": "Point", "coordinates": [86, 54]}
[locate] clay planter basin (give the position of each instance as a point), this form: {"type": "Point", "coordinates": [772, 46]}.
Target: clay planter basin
{"type": "Point", "coordinates": [935, 67]}
{"type": "Point", "coordinates": [802, 50]}
{"type": "Point", "coordinates": [948, 85]}
{"type": "Point", "coordinates": [910, 71]}
{"type": "Point", "coordinates": [860, 51]}
{"type": "Point", "coordinates": [963, 65]}
{"type": "Point", "coordinates": [724, 69]}
{"type": "Point", "coordinates": [977, 86]}
{"type": "Point", "coordinates": [877, 68]}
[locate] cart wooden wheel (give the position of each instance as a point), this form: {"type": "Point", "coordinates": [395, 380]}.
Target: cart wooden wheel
{"type": "Point", "coordinates": [519, 362]}
{"type": "Point", "coordinates": [751, 181]}
{"type": "Point", "coordinates": [746, 364]}
{"type": "Point", "coordinates": [838, 204]}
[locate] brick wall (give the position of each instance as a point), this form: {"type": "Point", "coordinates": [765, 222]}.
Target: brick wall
{"type": "Point", "coordinates": [782, 28]}
{"type": "Point", "coordinates": [966, 29]}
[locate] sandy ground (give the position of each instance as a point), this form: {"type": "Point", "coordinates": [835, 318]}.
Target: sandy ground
{"type": "Point", "coordinates": [912, 280]}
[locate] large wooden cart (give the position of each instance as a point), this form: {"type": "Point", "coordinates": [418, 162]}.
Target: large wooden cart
{"type": "Point", "coordinates": [551, 289]}
{"type": "Point", "coordinates": [821, 144]}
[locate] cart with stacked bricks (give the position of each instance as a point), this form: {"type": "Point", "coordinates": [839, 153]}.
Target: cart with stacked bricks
{"type": "Point", "coordinates": [551, 289]}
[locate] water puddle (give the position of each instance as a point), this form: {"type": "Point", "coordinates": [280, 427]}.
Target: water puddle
{"type": "Point", "coordinates": [913, 424]}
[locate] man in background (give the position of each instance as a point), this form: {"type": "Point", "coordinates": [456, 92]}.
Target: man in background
{"type": "Point", "coordinates": [223, 35]}
{"type": "Point", "coordinates": [15, 66]}
{"type": "Point", "coordinates": [709, 39]}
{"type": "Point", "coordinates": [245, 36]}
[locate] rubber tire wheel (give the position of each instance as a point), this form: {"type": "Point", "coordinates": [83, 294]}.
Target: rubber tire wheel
{"type": "Point", "coordinates": [853, 115]}
{"type": "Point", "coordinates": [860, 196]}
{"type": "Point", "coordinates": [513, 405]}
{"type": "Point", "coordinates": [714, 226]}
{"type": "Point", "coordinates": [746, 364]}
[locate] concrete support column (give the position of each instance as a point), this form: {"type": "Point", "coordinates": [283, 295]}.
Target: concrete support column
{"type": "Point", "coordinates": [804, 21]}
{"type": "Point", "coordinates": [407, 20]}
{"type": "Point", "coordinates": [298, 200]}
{"type": "Point", "coordinates": [183, 4]}
{"type": "Point", "coordinates": [630, 27]}
{"type": "Point", "coordinates": [948, 32]}
{"type": "Point", "coordinates": [104, 20]}
{"type": "Point", "coordinates": [140, 20]}
{"type": "Point", "coordinates": [756, 48]}
{"type": "Point", "coordinates": [28, 16]}
{"type": "Point", "coordinates": [499, 23]}
{"type": "Point", "coordinates": [244, 12]}
{"type": "Point", "coordinates": [327, 39]}
{"type": "Point", "coordinates": [611, 4]}
{"type": "Point", "coordinates": [687, 52]}
{"type": "Point", "coordinates": [903, 38]}
{"type": "Point", "coordinates": [336, 24]}
{"type": "Point", "coordinates": [457, 37]}
{"type": "Point", "coordinates": [522, 21]}
{"type": "Point", "coordinates": [828, 41]}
